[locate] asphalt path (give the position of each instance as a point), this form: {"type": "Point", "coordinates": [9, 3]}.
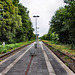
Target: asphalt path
{"type": "Point", "coordinates": [44, 62]}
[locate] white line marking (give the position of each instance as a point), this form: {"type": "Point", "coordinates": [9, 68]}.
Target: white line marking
{"type": "Point", "coordinates": [49, 66]}
{"type": "Point", "coordinates": [14, 62]}
{"type": "Point", "coordinates": [10, 56]}
{"type": "Point", "coordinates": [62, 64]}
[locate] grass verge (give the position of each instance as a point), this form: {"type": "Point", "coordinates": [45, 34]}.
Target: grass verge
{"type": "Point", "coordinates": [63, 48]}
{"type": "Point", "coordinates": [9, 47]}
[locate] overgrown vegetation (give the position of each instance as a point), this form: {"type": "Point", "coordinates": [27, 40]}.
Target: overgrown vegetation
{"type": "Point", "coordinates": [9, 47]}
{"type": "Point", "coordinates": [63, 48]}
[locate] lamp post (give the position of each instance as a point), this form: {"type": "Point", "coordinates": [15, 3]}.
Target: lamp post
{"type": "Point", "coordinates": [36, 27]}
{"type": "Point", "coordinates": [36, 30]}
{"type": "Point", "coordinates": [33, 51]}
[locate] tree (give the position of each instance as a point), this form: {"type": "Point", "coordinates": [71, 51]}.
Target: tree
{"type": "Point", "coordinates": [70, 21]}
{"type": "Point", "coordinates": [44, 37]}
{"type": "Point", "coordinates": [57, 25]}
{"type": "Point", "coordinates": [26, 31]}
{"type": "Point", "coordinates": [15, 2]}
{"type": "Point", "coordinates": [16, 25]}
{"type": "Point", "coordinates": [11, 21]}
{"type": "Point", "coordinates": [62, 23]}
{"type": "Point", "coordinates": [68, 1]}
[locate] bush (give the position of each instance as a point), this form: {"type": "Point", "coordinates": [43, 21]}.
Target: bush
{"type": "Point", "coordinates": [6, 48]}
{"type": "Point", "coordinates": [3, 49]}
{"type": "Point", "coordinates": [52, 42]}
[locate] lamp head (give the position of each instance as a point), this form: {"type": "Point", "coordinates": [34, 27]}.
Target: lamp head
{"type": "Point", "coordinates": [36, 16]}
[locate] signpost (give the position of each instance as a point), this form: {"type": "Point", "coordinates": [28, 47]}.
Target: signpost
{"type": "Point", "coordinates": [3, 43]}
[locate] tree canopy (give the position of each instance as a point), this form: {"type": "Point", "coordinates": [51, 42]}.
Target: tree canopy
{"type": "Point", "coordinates": [62, 24]}
{"type": "Point", "coordinates": [15, 23]}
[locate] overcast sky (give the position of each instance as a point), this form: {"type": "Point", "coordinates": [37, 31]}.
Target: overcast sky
{"type": "Point", "coordinates": [45, 9]}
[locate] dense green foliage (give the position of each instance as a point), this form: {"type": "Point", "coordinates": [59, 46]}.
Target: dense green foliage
{"type": "Point", "coordinates": [15, 2]}
{"type": "Point", "coordinates": [44, 37]}
{"type": "Point", "coordinates": [26, 31]}
{"type": "Point", "coordinates": [62, 24]}
{"type": "Point", "coordinates": [4, 49]}
{"type": "Point", "coordinates": [9, 47]}
{"type": "Point", "coordinates": [68, 1]}
{"type": "Point", "coordinates": [15, 24]}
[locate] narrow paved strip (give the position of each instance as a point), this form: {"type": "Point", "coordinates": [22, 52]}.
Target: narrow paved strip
{"type": "Point", "coordinates": [50, 69]}
{"type": "Point", "coordinates": [62, 64]}
{"type": "Point", "coordinates": [14, 62]}
{"type": "Point", "coordinates": [9, 60]}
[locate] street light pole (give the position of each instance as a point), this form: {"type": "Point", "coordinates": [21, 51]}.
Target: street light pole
{"type": "Point", "coordinates": [36, 30]}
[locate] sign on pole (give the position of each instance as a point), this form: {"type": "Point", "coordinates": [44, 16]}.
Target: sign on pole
{"type": "Point", "coordinates": [37, 34]}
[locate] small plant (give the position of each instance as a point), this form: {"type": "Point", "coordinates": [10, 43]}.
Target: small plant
{"type": "Point", "coordinates": [52, 42]}
{"type": "Point", "coordinates": [66, 57]}
{"type": "Point", "coordinates": [59, 48]}
{"type": "Point", "coordinates": [0, 60]}
{"type": "Point", "coordinates": [66, 64]}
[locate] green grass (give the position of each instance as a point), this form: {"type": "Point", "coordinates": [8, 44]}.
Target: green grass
{"type": "Point", "coordinates": [66, 57]}
{"type": "Point", "coordinates": [9, 47]}
{"type": "Point", "coordinates": [61, 47]}
{"type": "Point", "coordinates": [66, 64]}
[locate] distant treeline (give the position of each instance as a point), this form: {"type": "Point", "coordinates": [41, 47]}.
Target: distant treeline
{"type": "Point", "coordinates": [62, 24]}
{"type": "Point", "coordinates": [15, 23]}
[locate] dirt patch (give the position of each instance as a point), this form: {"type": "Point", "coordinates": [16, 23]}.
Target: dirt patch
{"type": "Point", "coordinates": [70, 62]}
